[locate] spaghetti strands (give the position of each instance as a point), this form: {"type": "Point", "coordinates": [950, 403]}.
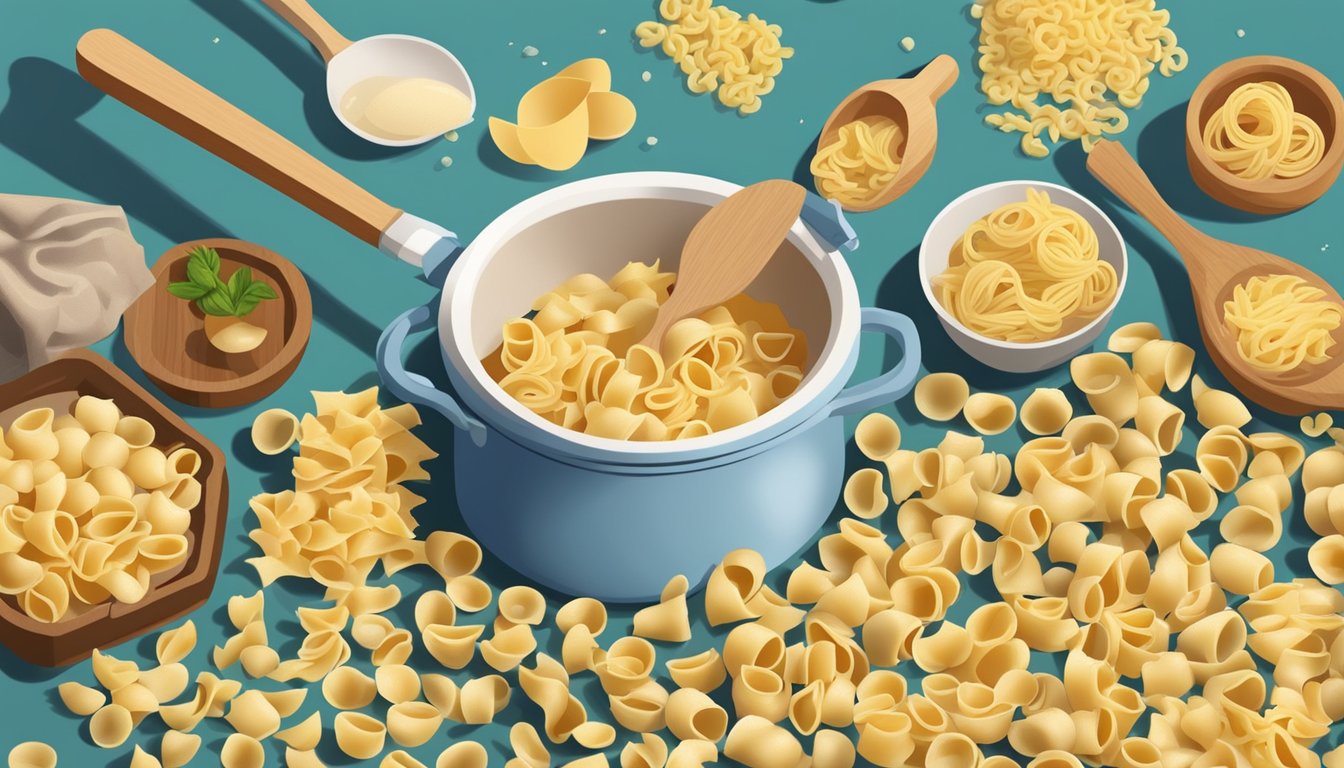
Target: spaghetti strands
{"type": "Point", "coordinates": [861, 162]}
{"type": "Point", "coordinates": [1282, 322]}
{"type": "Point", "coordinates": [1027, 272]}
{"type": "Point", "coordinates": [718, 50]}
{"type": "Point", "coordinates": [1091, 59]}
{"type": "Point", "coordinates": [1256, 134]}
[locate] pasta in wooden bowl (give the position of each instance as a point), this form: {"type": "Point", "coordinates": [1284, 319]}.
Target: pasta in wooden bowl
{"type": "Point", "coordinates": [573, 360]}
{"type": "Point", "coordinates": [111, 511]}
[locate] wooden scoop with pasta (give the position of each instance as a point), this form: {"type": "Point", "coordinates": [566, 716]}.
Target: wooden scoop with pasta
{"type": "Point", "coordinates": [727, 249]}
{"type": "Point", "coordinates": [1272, 326]}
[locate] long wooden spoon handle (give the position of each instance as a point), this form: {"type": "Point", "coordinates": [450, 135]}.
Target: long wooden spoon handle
{"type": "Point", "coordinates": [127, 72]}
{"type": "Point", "coordinates": [311, 25]}
{"type": "Point", "coordinates": [938, 75]}
{"type": "Point", "coordinates": [1115, 168]}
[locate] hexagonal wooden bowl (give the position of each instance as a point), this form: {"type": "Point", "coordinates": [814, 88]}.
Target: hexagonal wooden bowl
{"type": "Point", "coordinates": [73, 638]}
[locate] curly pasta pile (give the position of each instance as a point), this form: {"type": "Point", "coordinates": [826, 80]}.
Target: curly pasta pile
{"type": "Point", "coordinates": [718, 50]}
{"type": "Point", "coordinates": [1089, 539]}
{"type": "Point", "coordinates": [1090, 58]}
{"type": "Point", "coordinates": [861, 162]}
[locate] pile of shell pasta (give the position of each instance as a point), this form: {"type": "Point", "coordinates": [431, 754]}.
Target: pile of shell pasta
{"type": "Point", "coordinates": [1087, 535]}
{"type": "Point", "coordinates": [91, 510]}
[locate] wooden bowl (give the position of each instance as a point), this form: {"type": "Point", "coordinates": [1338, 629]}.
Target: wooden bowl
{"type": "Point", "coordinates": [1313, 95]}
{"type": "Point", "coordinates": [74, 637]}
{"type": "Point", "coordinates": [166, 334]}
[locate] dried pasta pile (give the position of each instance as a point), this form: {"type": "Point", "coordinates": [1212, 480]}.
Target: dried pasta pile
{"type": "Point", "coordinates": [1090, 59]}
{"type": "Point", "coordinates": [1282, 322]}
{"type": "Point", "coordinates": [91, 509]}
{"type": "Point", "coordinates": [718, 50]}
{"type": "Point", "coordinates": [861, 162]}
{"type": "Point", "coordinates": [1089, 539]}
{"type": "Point", "coordinates": [575, 363]}
{"type": "Point", "coordinates": [1027, 272]}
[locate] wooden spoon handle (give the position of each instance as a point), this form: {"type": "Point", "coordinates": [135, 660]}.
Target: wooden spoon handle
{"type": "Point", "coordinates": [311, 25]}
{"type": "Point", "coordinates": [1115, 168]}
{"type": "Point", "coordinates": [129, 73]}
{"type": "Point", "coordinates": [938, 75]}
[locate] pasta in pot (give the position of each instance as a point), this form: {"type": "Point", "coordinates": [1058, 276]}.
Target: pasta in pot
{"type": "Point", "coordinates": [1027, 272]}
{"type": "Point", "coordinates": [574, 361]}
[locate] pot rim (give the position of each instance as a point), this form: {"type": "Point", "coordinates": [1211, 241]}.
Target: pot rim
{"type": "Point", "coordinates": [485, 397]}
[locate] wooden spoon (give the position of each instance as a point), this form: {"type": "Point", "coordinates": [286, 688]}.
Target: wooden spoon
{"type": "Point", "coordinates": [910, 102]}
{"type": "Point", "coordinates": [1216, 268]}
{"type": "Point", "coordinates": [727, 249]}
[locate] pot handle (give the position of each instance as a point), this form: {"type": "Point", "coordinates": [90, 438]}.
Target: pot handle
{"type": "Point", "coordinates": [893, 384]}
{"type": "Point", "coordinates": [412, 387]}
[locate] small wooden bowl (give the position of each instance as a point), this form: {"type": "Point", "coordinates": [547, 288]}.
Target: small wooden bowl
{"type": "Point", "coordinates": [166, 334]}
{"type": "Point", "coordinates": [73, 638]}
{"type": "Point", "coordinates": [1313, 95]}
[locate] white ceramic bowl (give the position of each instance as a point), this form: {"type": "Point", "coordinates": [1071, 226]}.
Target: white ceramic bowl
{"type": "Point", "coordinates": [951, 223]}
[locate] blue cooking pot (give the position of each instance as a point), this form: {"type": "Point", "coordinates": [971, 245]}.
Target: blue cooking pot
{"type": "Point", "coordinates": [612, 519]}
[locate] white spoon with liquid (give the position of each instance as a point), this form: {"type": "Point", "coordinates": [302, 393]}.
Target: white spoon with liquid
{"type": "Point", "coordinates": [394, 90]}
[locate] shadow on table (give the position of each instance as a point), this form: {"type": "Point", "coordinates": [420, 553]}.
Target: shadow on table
{"type": "Point", "coordinates": [304, 67]}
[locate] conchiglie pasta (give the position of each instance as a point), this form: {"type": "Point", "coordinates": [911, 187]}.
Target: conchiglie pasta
{"type": "Point", "coordinates": [1046, 411]}
{"type": "Point", "coordinates": [941, 396]}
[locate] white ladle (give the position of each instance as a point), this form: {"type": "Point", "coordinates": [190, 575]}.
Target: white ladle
{"type": "Point", "coordinates": [352, 61]}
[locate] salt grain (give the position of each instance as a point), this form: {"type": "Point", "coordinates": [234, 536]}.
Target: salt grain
{"type": "Point", "coordinates": [646, 76]}
{"type": "Point", "coordinates": [602, 31]}
{"type": "Point", "coordinates": [908, 43]}
{"type": "Point", "coordinates": [451, 135]}
{"type": "Point", "coordinates": [651, 141]}
{"type": "Point", "coordinates": [1241, 33]}
{"type": "Point", "coordinates": [216, 41]}
{"type": "Point", "coordinates": [529, 51]}
{"type": "Point", "coordinates": [445, 161]}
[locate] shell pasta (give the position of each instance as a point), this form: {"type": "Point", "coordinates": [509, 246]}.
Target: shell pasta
{"type": "Point", "coordinates": [1027, 272]}
{"type": "Point", "coordinates": [575, 363]}
{"type": "Point", "coordinates": [90, 510]}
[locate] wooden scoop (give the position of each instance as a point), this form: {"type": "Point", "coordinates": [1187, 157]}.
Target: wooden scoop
{"type": "Point", "coordinates": [727, 249]}
{"type": "Point", "coordinates": [1216, 268]}
{"type": "Point", "coordinates": [910, 102]}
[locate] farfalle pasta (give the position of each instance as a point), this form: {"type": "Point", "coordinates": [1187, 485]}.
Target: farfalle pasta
{"type": "Point", "coordinates": [575, 363]}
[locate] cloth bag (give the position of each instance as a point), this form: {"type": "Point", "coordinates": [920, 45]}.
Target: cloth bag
{"type": "Point", "coordinates": [68, 270]}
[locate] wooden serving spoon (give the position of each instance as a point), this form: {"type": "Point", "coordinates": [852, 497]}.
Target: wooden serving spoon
{"type": "Point", "coordinates": [727, 249]}
{"type": "Point", "coordinates": [910, 102]}
{"type": "Point", "coordinates": [1216, 268]}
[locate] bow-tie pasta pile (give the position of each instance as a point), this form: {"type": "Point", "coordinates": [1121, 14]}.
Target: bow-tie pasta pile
{"type": "Point", "coordinates": [1090, 536]}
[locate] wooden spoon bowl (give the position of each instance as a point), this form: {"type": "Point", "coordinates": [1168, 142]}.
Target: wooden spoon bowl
{"type": "Point", "coordinates": [908, 101]}
{"type": "Point", "coordinates": [1314, 95]}
{"type": "Point", "coordinates": [1216, 269]}
{"type": "Point", "coordinates": [166, 334]}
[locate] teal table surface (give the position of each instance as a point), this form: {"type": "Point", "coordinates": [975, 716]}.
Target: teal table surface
{"type": "Point", "coordinates": [59, 137]}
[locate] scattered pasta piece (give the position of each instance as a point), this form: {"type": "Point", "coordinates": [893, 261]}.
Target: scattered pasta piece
{"type": "Point", "coordinates": [669, 620]}
{"type": "Point", "coordinates": [274, 430]}
{"type": "Point", "coordinates": [989, 414]}
{"type": "Point", "coordinates": [1038, 48]}
{"type": "Point", "coordinates": [941, 396]}
{"type": "Point", "coordinates": [463, 754]}
{"type": "Point", "coordinates": [32, 754]}
{"type": "Point", "coordinates": [718, 50]}
{"type": "Point", "coordinates": [359, 735]}
{"type": "Point", "coordinates": [1317, 425]}
{"type": "Point", "coordinates": [1046, 411]}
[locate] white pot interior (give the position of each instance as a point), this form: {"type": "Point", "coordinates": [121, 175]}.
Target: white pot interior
{"type": "Point", "coordinates": [599, 226]}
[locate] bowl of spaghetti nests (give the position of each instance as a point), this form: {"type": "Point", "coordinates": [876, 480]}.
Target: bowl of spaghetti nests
{"type": "Point", "coordinates": [1023, 274]}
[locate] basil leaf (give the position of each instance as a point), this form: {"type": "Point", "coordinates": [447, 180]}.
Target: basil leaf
{"type": "Point", "coordinates": [261, 291]}
{"type": "Point", "coordinates": [200, 274]}
{"type": "Point", "coordinates": [188, 291]}
{"type": "Point", "coordinates": [217, 302]}
{"type": "Point", "coordinates": [208, 256]}
{"type": "Point", "coordinates": [245, 305]}
{"type": "Point", "coordinates": [238, 283]}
